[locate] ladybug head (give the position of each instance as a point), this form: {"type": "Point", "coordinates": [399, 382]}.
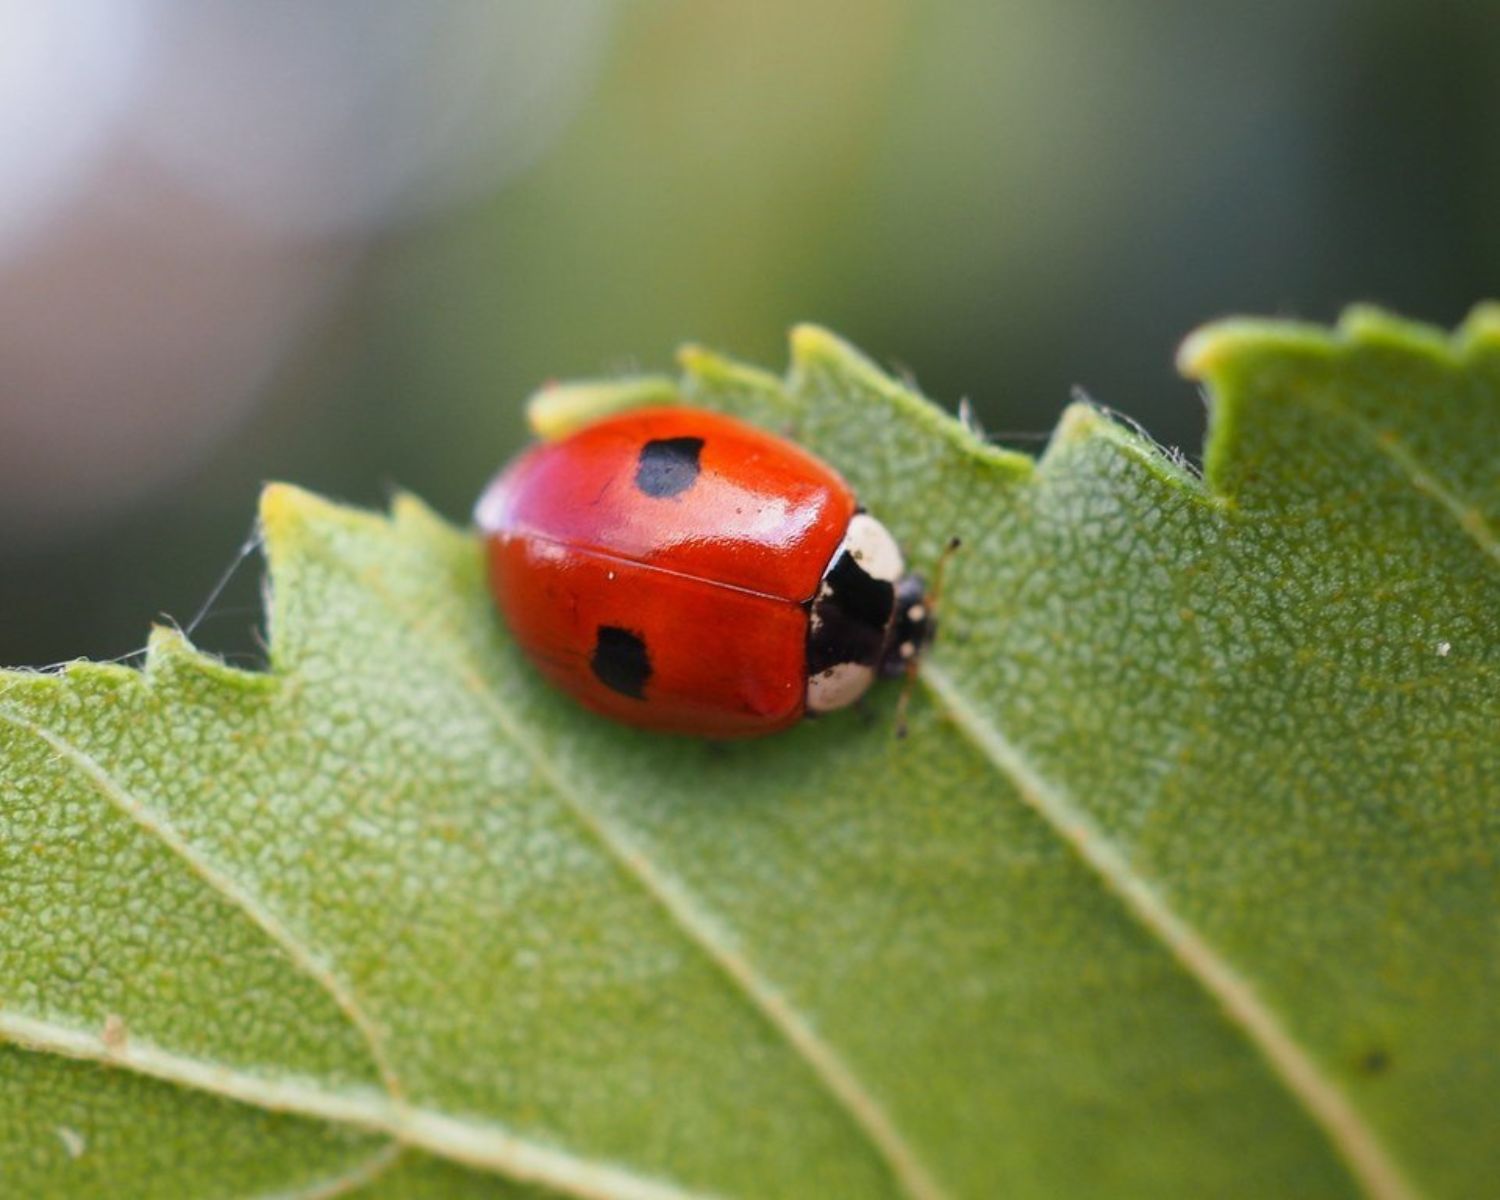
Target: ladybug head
{"type": "Point", "coordinates": [912, 626]}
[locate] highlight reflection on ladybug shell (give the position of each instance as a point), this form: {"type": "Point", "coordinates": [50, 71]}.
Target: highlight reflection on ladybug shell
{"type": "Point", "coordinates": [661, 566]}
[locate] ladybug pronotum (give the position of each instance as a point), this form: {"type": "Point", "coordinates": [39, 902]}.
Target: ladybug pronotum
{"type": "Point", "coordinates": [680, 570]}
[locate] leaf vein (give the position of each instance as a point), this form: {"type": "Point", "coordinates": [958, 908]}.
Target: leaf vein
{"type": "Point", "coordinates": [847, 1090]}
{"type": "Point", "coordinates": [712, 940]}
{"type": "Point", "coordinates": [1385, 443]}
{"type": "Point", "coordinates": [1354, 1141]}
{"type": "Point", "coordinates": [252, 906]}
{"type": "Point", "coordinates": [486, 1145]}
{"type": "Point", "coordinates": [345, 1183]}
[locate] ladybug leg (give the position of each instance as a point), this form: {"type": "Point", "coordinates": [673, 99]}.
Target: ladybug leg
{"type": "Point", "coordinates": [903, 701]}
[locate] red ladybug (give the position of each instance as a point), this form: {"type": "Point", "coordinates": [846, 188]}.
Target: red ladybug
{"type": "Point", "coordinates": [682, 571]}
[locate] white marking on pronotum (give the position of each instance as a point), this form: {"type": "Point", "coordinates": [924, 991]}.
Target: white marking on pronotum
{"type": "Point", "coordinates": [873, 548]}
{"type": "Point", "coordinates": [838, 686]}
{"type": "Point", "coordinates": [1345, 1128]}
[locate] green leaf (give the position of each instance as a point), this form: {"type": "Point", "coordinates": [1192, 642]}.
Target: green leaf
{"type": "Point", "coordinates": [1184, 883]}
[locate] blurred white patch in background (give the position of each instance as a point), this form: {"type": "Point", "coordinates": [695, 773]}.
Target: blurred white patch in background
{"type": "Point", "coordinates": [67, 76]}
{"type": "Point", "coordinates": [184, 185]}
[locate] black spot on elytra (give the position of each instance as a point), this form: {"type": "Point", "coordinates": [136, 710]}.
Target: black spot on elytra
{"type": "Point", "coordinates": [668, 466]}
{"type": "Point", "coordinates": [859, 594]}
{"type": "Point", "coordinates": [840, 640]}
{"type": "Point", "coordinates": [851, 616]}
{"type": "Point", "coordinates": [620, 661]}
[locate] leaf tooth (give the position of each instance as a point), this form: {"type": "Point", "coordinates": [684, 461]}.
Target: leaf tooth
{"type": "Point", "coordinates": [1084, 423]}
{"type": "Point", "coordinates": [1214, 351]}
{"type": "Point", "coordinates": [1362, 325]}
{"type": "Point", "coordinates": [1480, 332]}
{"type": "Point", "coordinates": [169, 654]}
{"type": "Point", "coordinates": [164, 647]}
{"type": "Point", "coordinates": [1211, 350]}
{"type": "Point", "coordinates": [1079, 421]}
{"type": "Point", "coordinates": [416, 521]}
{"type": "Point", "coordinates": [706, 370]}
{"type": "Point", "coordinates": [821, 360]}
{"type": "Point", "coordinates": [283, 509]}
{"type": "Point", "coordinates": [287, 508]}
{"type": "Point", "coordinates": [288, 513]}
{"type": "Point", "coordinates": [291, 518]}
{"type": "Point", "coordinates": [815, 348]}
{"type": "Point", "coordinates": [560, 408]}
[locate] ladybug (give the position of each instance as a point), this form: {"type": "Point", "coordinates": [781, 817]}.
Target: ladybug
{"type": "Point", "coordinates": [682, 571]}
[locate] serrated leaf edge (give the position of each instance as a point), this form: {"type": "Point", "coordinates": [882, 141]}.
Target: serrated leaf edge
{"type": "Point", "coordinates": [1325, 1103]}
{"type": "Point", "coordinates": [1211, 349]}
{"type": "Point", "coordinates": [814, 348]}
{"type": "Point", "coordinates": [1215, 353]}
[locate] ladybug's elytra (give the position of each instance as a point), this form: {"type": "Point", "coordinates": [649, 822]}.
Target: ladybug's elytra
{"type": "Point", "coordinates": [682, 571]}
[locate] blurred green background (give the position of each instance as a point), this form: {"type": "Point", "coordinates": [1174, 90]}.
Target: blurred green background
{"type": "Point", "coordinates": [340, 243]}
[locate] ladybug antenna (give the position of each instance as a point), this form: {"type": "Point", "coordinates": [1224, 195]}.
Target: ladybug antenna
{"type": "Point", "coordinates": [935, 595]}
{"type": "Point", "coordinates": [903, 701]}
{"type": "Point", "coordinates": [929, 602]}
